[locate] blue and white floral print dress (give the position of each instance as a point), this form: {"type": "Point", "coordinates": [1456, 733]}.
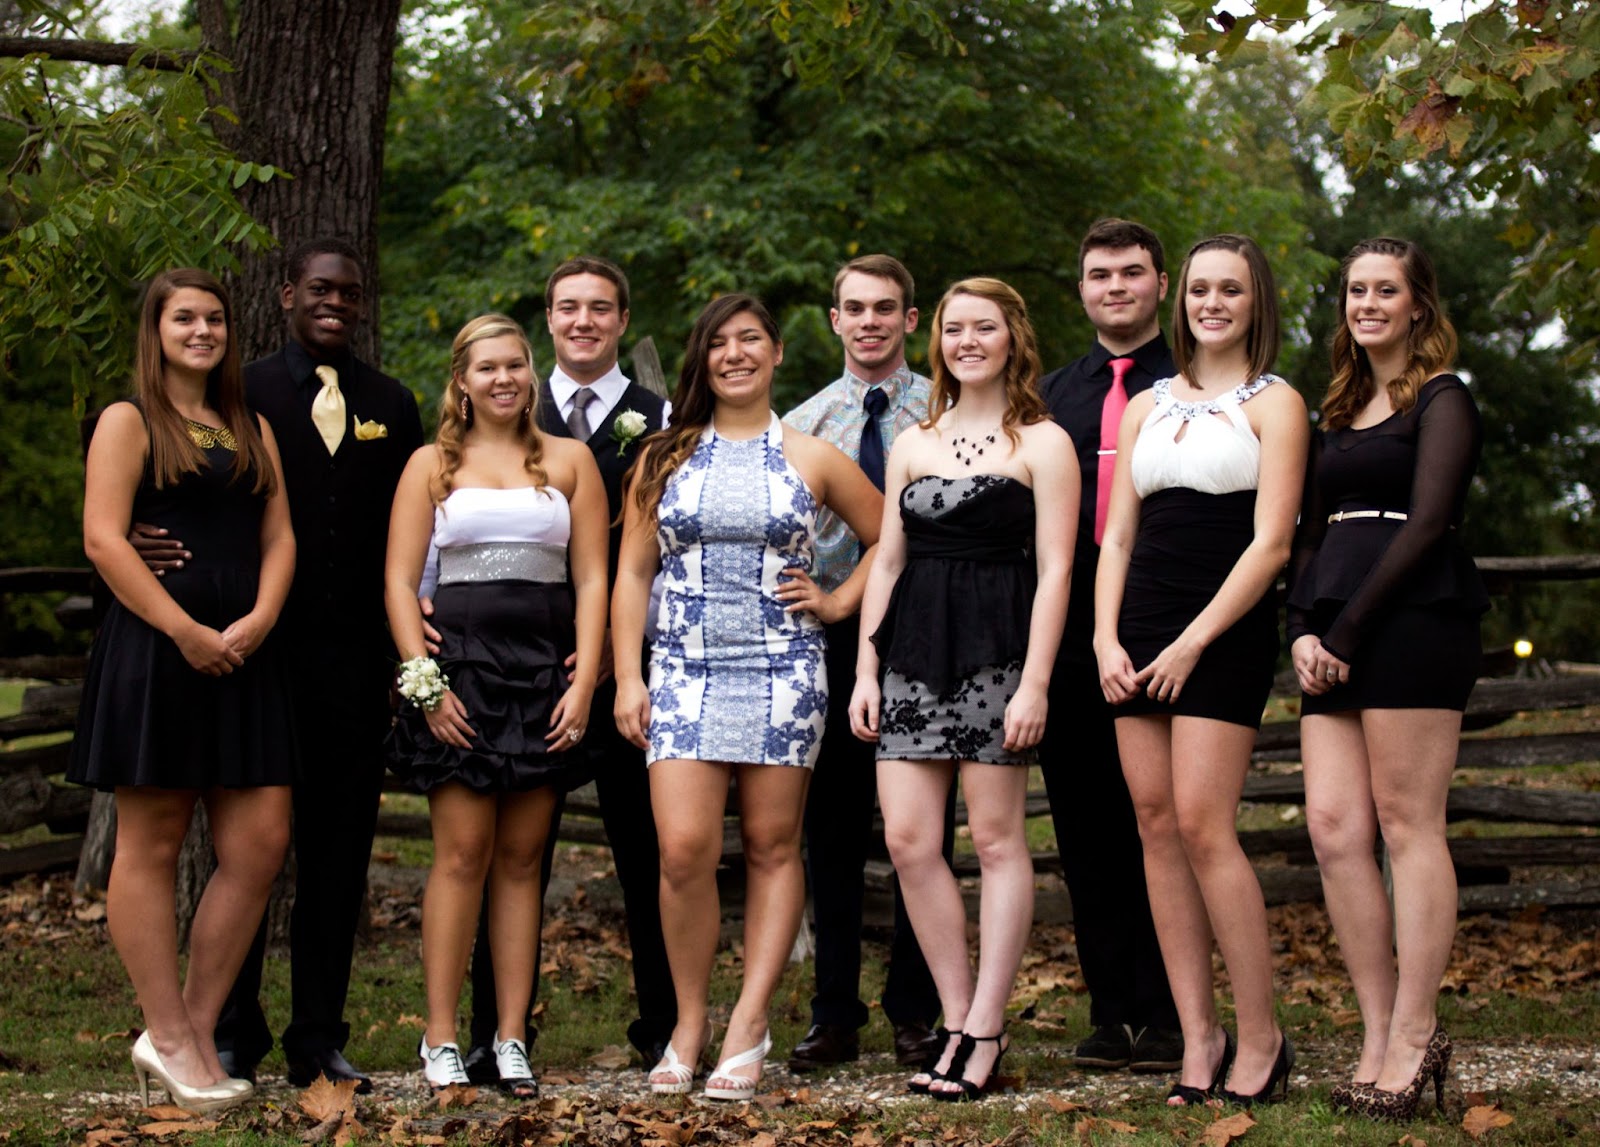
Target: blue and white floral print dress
{"type": "Point", "coordinates": [732, 676]}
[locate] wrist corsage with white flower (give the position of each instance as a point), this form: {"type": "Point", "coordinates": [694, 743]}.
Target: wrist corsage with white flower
{"type": "Point", "coordinates": [628, 428]}
{"type": "Point", "coordinates": [423, 683]}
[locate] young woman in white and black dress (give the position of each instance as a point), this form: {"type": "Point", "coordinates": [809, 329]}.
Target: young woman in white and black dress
{"type": "Point", "coordinates": [519, 521]}
{"type": "Point", "coordinates": [186, 698]}
{"type": "Point", "coordinates": [1383, 625]}
{"type": "Point", "coordinates": [1203, 504]}
{"type": "Point", "coordinates": [966, 604]}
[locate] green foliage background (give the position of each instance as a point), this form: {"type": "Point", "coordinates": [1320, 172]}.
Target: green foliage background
{"type": "Point", "coordinates": [750, 145]}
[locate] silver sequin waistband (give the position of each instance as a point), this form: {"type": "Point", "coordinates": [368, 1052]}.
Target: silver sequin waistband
{"type": "Point", "coordinates": [503, 561]}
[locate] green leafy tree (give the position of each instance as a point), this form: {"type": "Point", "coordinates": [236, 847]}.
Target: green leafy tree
{"type": "Point", "coordinates": [983, 143]}
{"type": "Point", "coordinates": [1503, 95]}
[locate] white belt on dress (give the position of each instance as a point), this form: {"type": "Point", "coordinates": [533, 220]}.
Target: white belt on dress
{"type": "Point", "coordinates": [1347, 515]}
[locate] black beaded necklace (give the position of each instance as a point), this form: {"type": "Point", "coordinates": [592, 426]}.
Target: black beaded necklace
{"type": "Point", "coordinates": [973, 446]}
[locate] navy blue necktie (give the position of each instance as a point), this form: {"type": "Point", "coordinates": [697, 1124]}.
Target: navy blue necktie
{"type": "Point", "coordinates": [871, 458]}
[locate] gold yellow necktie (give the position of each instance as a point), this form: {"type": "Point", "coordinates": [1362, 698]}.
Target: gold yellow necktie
{"type": "Point", "coordinates": [327, 409]}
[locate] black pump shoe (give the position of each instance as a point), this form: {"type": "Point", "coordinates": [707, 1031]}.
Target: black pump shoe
{"type": "Point", "coordinates": [1277, 1080]}
{"type": "Point", "coordinates": [1195, 1096]}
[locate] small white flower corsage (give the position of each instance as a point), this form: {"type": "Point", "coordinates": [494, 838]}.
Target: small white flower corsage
{"type": "Point", "coordinates": [628, 428]}
{"type": "Point", "coordinates": [423, 683]}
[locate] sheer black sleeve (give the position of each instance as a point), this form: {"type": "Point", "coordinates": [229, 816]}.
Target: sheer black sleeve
{"type": "Point", "coordinates": [1449, 436]}
{"type": "Point", "coordinates": [1307, 537]}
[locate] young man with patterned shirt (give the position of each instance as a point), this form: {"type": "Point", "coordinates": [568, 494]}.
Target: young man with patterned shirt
{"type": "Point", "coordinates": [876, 398]}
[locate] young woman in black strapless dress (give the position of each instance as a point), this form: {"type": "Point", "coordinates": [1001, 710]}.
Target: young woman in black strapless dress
{"type": "Point", "coordinates": [965, 604]}
{"type": "Point", "coordinates": [1208, 478]}
{"type": "Point", "coordinates": [1383, 625]}
{"type": "Point", "coordinates": [186, 699]}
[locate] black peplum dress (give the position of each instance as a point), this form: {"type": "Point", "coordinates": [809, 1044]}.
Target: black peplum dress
{"type": "Point", "coordinates": [1397, 597]}
{"type": "Point", "coordinates": [955, 632]}
{"type": "Point", "coordinates": [147, 717]}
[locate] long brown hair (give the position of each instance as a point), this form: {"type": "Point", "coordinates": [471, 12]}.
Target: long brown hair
{"type": "Point", "coordinates": [172, 452]}
{"type": "Point", "coordinates": [455, 408]}
{"type": "Point", "coordinates": [1024, 406]}
{"type": "Point", "coordinates": [1431, 343]}
{"type": "Point", "coordinates": [1261, 344]}
{"type": "Point", "coordinates": [693, 402]}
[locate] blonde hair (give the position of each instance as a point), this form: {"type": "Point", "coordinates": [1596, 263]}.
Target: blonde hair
{"type": "Point", "coordinates": [456, 416]}
{"type": "Point", "coordinates": [1024, 405]}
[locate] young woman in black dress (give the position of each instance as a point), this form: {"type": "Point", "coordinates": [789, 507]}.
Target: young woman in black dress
{"type": "Point", "coordinates": [965, 604]}
{"type": "Point", "coordinates": [185, 699]}
{"type": "Point", "coordinates": [1207, 483]}
{"type": "Point", "coordinates": [1383, 625]}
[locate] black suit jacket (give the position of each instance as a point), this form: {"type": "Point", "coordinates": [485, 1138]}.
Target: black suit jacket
{"type": "Point", "coordinates": [340, 504]}
{"type": "Point", "coordinates": [608, 453]}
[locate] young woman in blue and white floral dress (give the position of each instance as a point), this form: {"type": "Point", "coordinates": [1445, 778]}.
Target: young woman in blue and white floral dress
{"type": "Point", "coordinates": [724, 505]}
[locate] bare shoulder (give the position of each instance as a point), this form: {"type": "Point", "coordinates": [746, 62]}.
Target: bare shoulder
{"type": "Point", "coordinates": [1046, 434]}
{"type": "Point", "coordinates": [1143, 402]}
{"type": "Point", "coordinates": [1283, 398]}
{"type": "Point", "coordinates": [810, 448]}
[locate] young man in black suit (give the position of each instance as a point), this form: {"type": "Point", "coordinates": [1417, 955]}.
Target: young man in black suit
{"type": "Point", "coordinates": [588, 397]}
{"type": "Point", "coordinates": [345, 430]}
{"type": "Point", "coordinates": [1122, 281]}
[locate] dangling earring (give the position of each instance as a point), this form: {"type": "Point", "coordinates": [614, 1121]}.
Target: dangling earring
{"type": "Point", "coordinates": [466, 409]}
{"type": "Point", "coordinates": [527, 412]}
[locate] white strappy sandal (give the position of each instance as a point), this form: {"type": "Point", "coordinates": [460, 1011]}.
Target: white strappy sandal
{"type": "Point", "coordinates": [743, 1088]}
{"type": "Point", "coordinates": [681, 1075]}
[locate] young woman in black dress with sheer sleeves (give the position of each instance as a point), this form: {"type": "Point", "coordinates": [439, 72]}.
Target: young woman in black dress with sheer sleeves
{"type": "Point", "coordinates": [1383, 625]}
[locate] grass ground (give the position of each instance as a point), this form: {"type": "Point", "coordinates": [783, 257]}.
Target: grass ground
{"type": "Point", "coordinates": [1526, 990]}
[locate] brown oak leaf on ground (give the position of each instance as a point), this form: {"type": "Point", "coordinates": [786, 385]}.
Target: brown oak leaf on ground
{"type": "Point", "coordinates": [1479, 1121]}
{"type": "Point", "coordinates": [165, 1127]}
{"type": "Point", "coordinates": [1225, 1131]}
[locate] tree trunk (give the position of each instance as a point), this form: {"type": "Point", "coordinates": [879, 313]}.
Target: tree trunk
{"type": "Point", "coordinates": [311, 90]}
{"type": "Point", "coordinates": [99, 845]}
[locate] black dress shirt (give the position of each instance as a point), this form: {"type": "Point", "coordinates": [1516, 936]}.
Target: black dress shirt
{"type": "Point", "coordinates": [340, 503]}
{"type": "Point", "coordinates": [1075, 394]}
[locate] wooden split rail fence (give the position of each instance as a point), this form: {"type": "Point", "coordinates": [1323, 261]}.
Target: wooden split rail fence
{"type": "Point", "coordinates": [32, 794]}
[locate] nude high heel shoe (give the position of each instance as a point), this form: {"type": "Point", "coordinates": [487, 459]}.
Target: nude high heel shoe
{"type": "Point", "coordinates": [200, 1100]}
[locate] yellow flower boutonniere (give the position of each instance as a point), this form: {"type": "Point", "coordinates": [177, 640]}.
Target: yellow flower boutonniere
{"type": "Point", "coordinates": [367, 431]}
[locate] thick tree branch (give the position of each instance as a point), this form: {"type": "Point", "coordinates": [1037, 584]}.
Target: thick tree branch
{"type": "Point", "coordinates": [96, 52]}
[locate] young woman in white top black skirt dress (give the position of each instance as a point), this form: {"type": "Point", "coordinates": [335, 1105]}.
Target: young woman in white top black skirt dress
{"type": "Point", "coordinates": [186, 698]}
{"type": "Point", "coordinates": [1383, 625]}
{"type": "Point", "coordinates": [970, 587]}
{"type": "Point", "coordinates": [519, 521]}
{"type": "Point", "coordinates": [1208, 478]}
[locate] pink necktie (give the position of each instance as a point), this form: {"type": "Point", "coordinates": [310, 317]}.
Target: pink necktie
{"type": "Point", "coordinates": [1110, 422]}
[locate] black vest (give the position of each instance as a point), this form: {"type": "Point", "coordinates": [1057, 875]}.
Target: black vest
{"type": "Point", "coordinates": [613, 460]}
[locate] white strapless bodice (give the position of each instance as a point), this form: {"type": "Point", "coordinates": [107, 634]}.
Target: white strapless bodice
{"type": "Point", "coordinates": [473, 515]}
{"type": "Point", "coordinates": [1206, 446]}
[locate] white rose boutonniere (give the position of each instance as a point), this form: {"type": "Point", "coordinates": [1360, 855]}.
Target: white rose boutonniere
{"type": "Point", "coordinates": [628, 428]}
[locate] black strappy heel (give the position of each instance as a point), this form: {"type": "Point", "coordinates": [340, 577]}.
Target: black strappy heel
{"type": "Point", "coordinates": [970, 1090]}
{"type": "Point", "coordinates": [1196, 1096]}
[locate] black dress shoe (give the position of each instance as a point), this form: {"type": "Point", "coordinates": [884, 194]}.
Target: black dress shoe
{"type": "Point", "coordinates": [303, 1070]}
{"type": "Point", "coordinates": [914, 1043]}
{"type": "Point", "coordinates": [481, 1066]}
{"type": "Point", "coordinates": [234, 1065]}
{"type": "Point", "coordinates": [1157, 1050]}
{"type": "Point", "coordinates": [1108, 1046]}
{"type": "Point", "coordinates": [824, 1045]}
